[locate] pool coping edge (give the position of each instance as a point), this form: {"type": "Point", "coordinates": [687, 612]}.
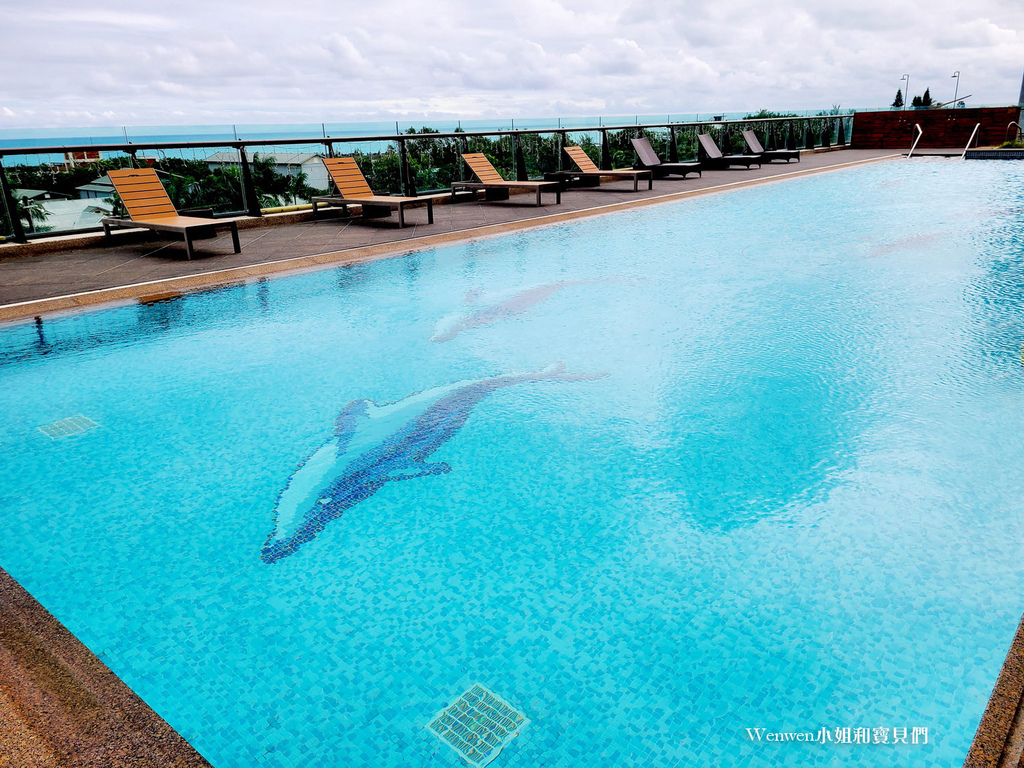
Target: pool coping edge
{"type": "Point", "coordinates": [999, 739]}
{"type": "Point", "coordinates": [71, 709]}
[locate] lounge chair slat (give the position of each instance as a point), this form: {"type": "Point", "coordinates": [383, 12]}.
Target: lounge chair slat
{"type": "Point", "coordinates": [147, 194]}
{"type": "Point", "coordinates": [147, 207]}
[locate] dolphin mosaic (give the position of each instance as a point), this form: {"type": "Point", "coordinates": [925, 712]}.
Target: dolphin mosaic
{"type": "Point", "coordinates": [373, 444]}
{"type": "Point", "coordinates": [484, 309]}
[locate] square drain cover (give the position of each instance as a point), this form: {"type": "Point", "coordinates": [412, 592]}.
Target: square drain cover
{"type": "Point", "coordinates": [73, 425]}
{"type": "Point", "coordinates": [477, 725]}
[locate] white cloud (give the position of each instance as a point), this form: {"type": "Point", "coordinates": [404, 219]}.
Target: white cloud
{"type": "Point", "coordinates": [315, 60]}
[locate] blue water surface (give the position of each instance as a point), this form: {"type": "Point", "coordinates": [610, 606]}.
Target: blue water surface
{"type": "Point", "coordinates": [793, 503]}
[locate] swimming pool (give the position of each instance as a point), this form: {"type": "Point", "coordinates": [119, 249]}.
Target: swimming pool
{"type": "Point", "coordinates": [775, 486]}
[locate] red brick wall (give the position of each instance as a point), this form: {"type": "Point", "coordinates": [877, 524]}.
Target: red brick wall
{"type": "Point", "coordinates": [942, 127]}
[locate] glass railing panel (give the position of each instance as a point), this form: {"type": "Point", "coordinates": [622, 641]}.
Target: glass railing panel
{"type": "Point", "coordinates": [60, 193]}
{"type": "Point", "coordinates": [286, 175]}
{"type": "Point", "coordinates": [434, 162]}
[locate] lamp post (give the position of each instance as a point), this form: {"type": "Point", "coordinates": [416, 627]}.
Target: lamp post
{"type": "Point", "coordinates": [956, 90]}
{"type": "Point", "coordinates": [906, 91]}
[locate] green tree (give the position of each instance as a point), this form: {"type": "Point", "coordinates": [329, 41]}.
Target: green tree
{"type": "Point", "coordinates": [898, 101]}
{"type": "Point", "coordinates": [923, 101]}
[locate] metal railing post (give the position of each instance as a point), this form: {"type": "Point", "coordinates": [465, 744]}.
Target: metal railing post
{"type": "Point", "coordinates": [464, 148]}
{"type": "Point", "coordinates": [520, 160]}
{"type": "Point", "coordinates": [408, 182]}
{"type": "Point", "coordinates": [250, 201]}
{"type": "Point", "coordinates": [12, 208]}
{"type": "Point", "coordinates": [606, 152]}
{"type": "Point", "coordinates": [329, 148]}
{"type": "Point", "coordinates": [561, 150]}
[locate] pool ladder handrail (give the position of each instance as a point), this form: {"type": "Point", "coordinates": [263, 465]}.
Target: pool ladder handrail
{"type": "Point", "coordinates": [971, 140]}
{"type": "Point", "coordinates": [920, 133]}
{"type": "Point", "coordinates": [1010, 125]}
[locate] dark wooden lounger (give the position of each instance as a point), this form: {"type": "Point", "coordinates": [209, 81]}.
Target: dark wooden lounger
{"type": "Point", "coordinates": [715, 158]}
{"type": "Point", "coordinates": [354, 190]}
{"type": "Point", "coordinates": [768, 154]}
{"type": "Point", "coordinates": [149, 207]}
{"type": "Point", "coordinates": [649, 159]}
{"type": "Point", "coordinates": [587, 170]}
{"type": "Point", "coordinates": [495, 187]}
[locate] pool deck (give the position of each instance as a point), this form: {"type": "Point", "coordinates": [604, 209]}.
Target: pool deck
{"type": "Point", "coordinates": [59, 704]}
{"type": "Point", "coordinates": [67, 273]}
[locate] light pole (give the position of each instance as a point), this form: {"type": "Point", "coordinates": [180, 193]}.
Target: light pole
{"type": "Point", "coordinates": [957, 89]}
{"type": "Point", "coordinates": [906, 91]}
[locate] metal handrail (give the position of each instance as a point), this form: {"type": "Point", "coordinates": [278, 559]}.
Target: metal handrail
{"type": "Point", "coordinates": [920, 133]}
{"type": "Point", "coordinates": [973, 134]}
{"type": "Point", "coordinates": [1006, 136]}
{"type": "Point", "coordinates": [241, 145]}
{"type": "Point", "coordinates": [132, 147]}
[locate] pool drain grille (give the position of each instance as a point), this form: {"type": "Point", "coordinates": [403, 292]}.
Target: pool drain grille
{"type": "Point", "coordinates": [73, 425]}
{"type": "Point", "coordinates": [477, 725]}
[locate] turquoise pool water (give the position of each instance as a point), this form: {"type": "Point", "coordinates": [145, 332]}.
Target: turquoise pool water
{"type": "Point", "coordinates": [776, 485]}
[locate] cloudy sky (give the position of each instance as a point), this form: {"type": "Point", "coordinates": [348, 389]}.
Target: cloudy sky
{"type": "Point", "coordinates": [101, 63]}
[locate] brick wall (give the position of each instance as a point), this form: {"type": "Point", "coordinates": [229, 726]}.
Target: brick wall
{"type": "Point", "coordinates": [942, 127]}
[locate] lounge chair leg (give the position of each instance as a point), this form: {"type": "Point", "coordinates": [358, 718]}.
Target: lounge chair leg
{"type": "Point", "coordinates": [558, 197]}
{"type": "Point", "coordinates": [650, 181]}
{"type": "Point", "coordinates": [188, 245]}
{"type": "Point", "coordinates": [234, 238]}
{"type": "Point", "coordinates": [430, 211]}
{"type": "Point", "coordinates": [106, 230]}
{"type": "Point", "coordinates": [401, 216]}
{"type": "Point", "coordinates": [314, 210]}
{"type": "Point", "coordinates": [538, 197]}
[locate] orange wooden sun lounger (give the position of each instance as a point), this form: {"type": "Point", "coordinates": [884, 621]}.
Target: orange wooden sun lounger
{"type": "Point", "coordinates": [353, 190]}
{"type": "Point", "coordinates": [495, 187]}
{"type": "Point", "coordinates": [590, 171]}
{"type": "Point", "coordinates": [149, 207]}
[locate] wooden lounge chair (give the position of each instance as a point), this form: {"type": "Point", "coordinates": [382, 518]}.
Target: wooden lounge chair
{"type": "Point", "coordinates": [495, 187]}
{"type": "Point", "coordinates": [149, 207]}
{"type": "Point", "coordinates": [587, 170]}
{"type": "Point", "coordinates": [768, 154]}
{"type": "Point", "coordinates": [353, 190]}
{"type": "Point", "coordinates": [715, 158]}
{"type": "Point", "coordinates": [649, 159]}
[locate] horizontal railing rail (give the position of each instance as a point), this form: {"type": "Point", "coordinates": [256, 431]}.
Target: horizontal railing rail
{"type": "Point", "coordinates": [800, 131]}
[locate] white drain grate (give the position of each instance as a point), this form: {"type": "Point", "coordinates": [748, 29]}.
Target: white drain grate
{"type": "Point", "coordinates": [73, 425]}
{"type": "Point", "coordinates": [477, 725]}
